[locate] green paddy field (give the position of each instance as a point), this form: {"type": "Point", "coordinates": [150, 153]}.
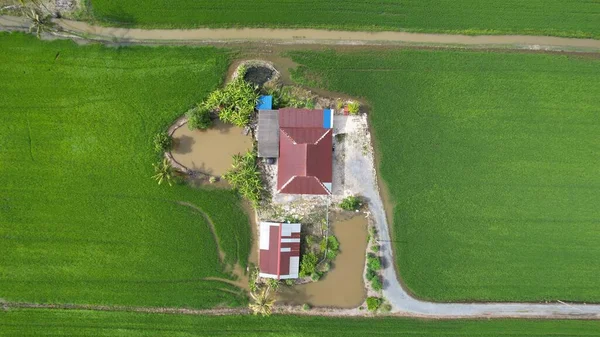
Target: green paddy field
{"type": "Point", "coordinates": [575, 18]}
{"type": "Point", "coordinates": [81, 221]}
{"type": "Point", "coordinates": [90, 323]}
{"type": "Point", "coordinates": [492, 162]}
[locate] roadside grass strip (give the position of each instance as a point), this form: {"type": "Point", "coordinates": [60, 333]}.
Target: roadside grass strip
{"type": "Point", "coordinates": [81, 221]}
{"type": "Point", "coordinates": [492, 163]}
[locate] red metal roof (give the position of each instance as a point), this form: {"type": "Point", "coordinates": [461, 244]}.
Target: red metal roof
{"type": "Point", "coordinates": [305, 160]}
{"type": "Point", "coordinates": [272, 260]}
{"type": "Point", "coordinates": [300, 118]}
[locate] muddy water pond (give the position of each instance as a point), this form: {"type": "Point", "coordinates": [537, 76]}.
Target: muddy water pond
{"type": "Point", "coordinates": [209, 151]}
{"type": "Point", "coordinates": [342, 286]}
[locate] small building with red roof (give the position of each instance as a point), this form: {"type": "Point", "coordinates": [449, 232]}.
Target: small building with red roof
{"type": "Point", "coordinates": [279, 246]}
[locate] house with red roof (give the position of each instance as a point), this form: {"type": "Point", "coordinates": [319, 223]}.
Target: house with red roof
{"type": "Point", "coordinates": [302, 140]}
{"type": "Point", "coordinates": [279, 250]}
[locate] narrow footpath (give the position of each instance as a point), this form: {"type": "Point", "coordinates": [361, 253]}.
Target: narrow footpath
{"type": "Point", "coordinates": [307, 36]}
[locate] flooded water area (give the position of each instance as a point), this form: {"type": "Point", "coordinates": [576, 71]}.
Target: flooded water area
{"type": "Point", "coordinates": [342, 286]}
{"type": "Point", "coordinates": [209, 151]}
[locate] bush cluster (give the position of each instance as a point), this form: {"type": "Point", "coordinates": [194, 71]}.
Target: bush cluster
{"type": "Point", "coordinates": [162, 142]}
{"type": "Point", "coordinates": [351, 203]}
{"type": "Point", "coordinates": [331, 245]}
{"type": "Point", "coordinates": [373, 303]}
{"type": "Point", "coordinates": [353, 108]}
{"type": "Point", "coordinates": [372, 274]}
{"type": "Point", "coordinates": [308, 265]}
{"type": "Point", "coordinates": [199, 118]}
{"type": "Point", "coordinates": [236, 102]}
{"type": "Point", "coordinates": [244, 176]}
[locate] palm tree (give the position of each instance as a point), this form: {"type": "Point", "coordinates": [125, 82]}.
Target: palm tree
{"type": "Point", "coordinates": [164, 172]}
{"type": "Point", "coordinates": [263, 302]}
{"type": "Point", "coordinates": [40, 23]}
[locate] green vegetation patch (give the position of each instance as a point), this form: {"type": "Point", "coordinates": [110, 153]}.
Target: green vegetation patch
{"type": "Point", "coordinates": [492, 162]}
{"type": "Point", "coordinates": [81, 220]}
{"type": "Point", "coordinates": [98, 323]}
{"type": "Point", "coordinates": [576, 18]}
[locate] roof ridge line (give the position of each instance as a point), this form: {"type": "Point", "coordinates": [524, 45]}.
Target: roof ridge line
{"type": "Point", "coordinates": [286, 183]}
{"type": "Point", "coordinates": [322, 136]}
{"type": "Point", "coordinates": [288, 135]}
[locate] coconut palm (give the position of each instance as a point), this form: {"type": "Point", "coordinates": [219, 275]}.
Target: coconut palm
{"type": "Point", "coordinates": [40, 23]}
{"type": "Point", "coordinates": [164, 172]}
{"type": "Point", "coordinates": [263, 302]}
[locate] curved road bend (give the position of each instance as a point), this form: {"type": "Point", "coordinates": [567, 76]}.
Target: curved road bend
{"type": "Point", "coordinates": [312, 36]}
{"type": "Point", "coordinates": [393, 291]}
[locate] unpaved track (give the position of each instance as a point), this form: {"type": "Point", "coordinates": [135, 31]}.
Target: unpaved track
{"type": "Point", "coordinates": [403, 303]}
{"type": "Point", "coordinates": [309, 36]}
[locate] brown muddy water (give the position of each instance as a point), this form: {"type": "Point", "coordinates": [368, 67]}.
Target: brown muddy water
{"type": "Point", "coordinates": [209, 151]}
{"type": "Point", "coordinates": [342, 286]}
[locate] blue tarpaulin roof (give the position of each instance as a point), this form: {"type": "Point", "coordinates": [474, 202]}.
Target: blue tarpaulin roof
{"type": "Point", "coordinates": [265, 103]}
{"type": "Point", "coordinates": [327, 119]}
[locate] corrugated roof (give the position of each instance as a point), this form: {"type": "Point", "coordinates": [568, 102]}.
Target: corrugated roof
{"type": "Point", "coordinates": [304, 167]}
{"type": "Point", "coordinates": [275, 261]}
{"type": "Point", "coordinates": [300, 118]}
{"type": "Point", "coordinates": [268, 133]}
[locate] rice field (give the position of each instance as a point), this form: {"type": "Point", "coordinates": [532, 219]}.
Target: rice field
{"type": "Point", "coordinates": [18, 322]}
{"type": "Point", "coordinates": [576, 18]}
{"type": "Point", "coordinates": [492, 163]}
{"type": "Point", "coordinates": [81, 221]}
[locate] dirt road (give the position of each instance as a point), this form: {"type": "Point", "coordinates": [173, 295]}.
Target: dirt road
{"type": "Point", "coordinates": [311, 36]}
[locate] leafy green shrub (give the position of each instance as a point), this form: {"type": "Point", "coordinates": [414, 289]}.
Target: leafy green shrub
{"type": "Point", "coordinates": [252, 280]}
{"type": "Point", "coordinates": [308, 264]}
{"type": "Point", "coordinates": [332, 245]}
{"type": "Point", "coordinates": [370, 273]}
{"type": "Point", "coordinates": [373, 262]}
{"type": "Point", "coordinates": [350, 203]}
{"type": "Point", "coordinates": [315, 276]}
{"type": "Point", "coordinates": [326, 266]}
{"type": "Point", "coordinates": [306, 307]}
{"type": "Point", "coordinates": [310, 240]}
{"type": "Point", "coordinates": [376, 283]}
{"type": "Point", "coordinates": [385, 308]}
{"type": "Point", "coordinates": [373, 303]}
{"type": "Point", "coordinates": [289, 282]}
{"type": "Point", "coordinates": [331, 254]}
{"type": "Point", "coordinates": [236, 102]}
{"type": "Point", "coordinates": [375, 248]}
{"type": "Point", "coordinates": [273, 283]}
{"type": "Point", "coordinates": [339, 104]}
{"type": "Point", "coordinates": [244, 176]}
{"type": "Point", "coordinates": [199, 118]}
{"type": "Point", "coordinates": [353, 108]}
{"type": "Point", "coordinates": [162, 142]}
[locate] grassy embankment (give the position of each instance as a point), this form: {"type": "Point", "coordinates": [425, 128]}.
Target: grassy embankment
{"type": "Point", "coordinates": [81, 221]}
{"type": "Point", "coordinates": [577, 18]}
{"type": "Point", "coordinates": [90, 323]}
{"type": "Point", "coordinates": [492, 161]}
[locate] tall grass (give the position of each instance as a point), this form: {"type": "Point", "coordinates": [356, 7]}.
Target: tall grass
{"type": "Point", "coordinates": [81, 221]}
{"type": "Point", "coordinates": [492, 161]}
